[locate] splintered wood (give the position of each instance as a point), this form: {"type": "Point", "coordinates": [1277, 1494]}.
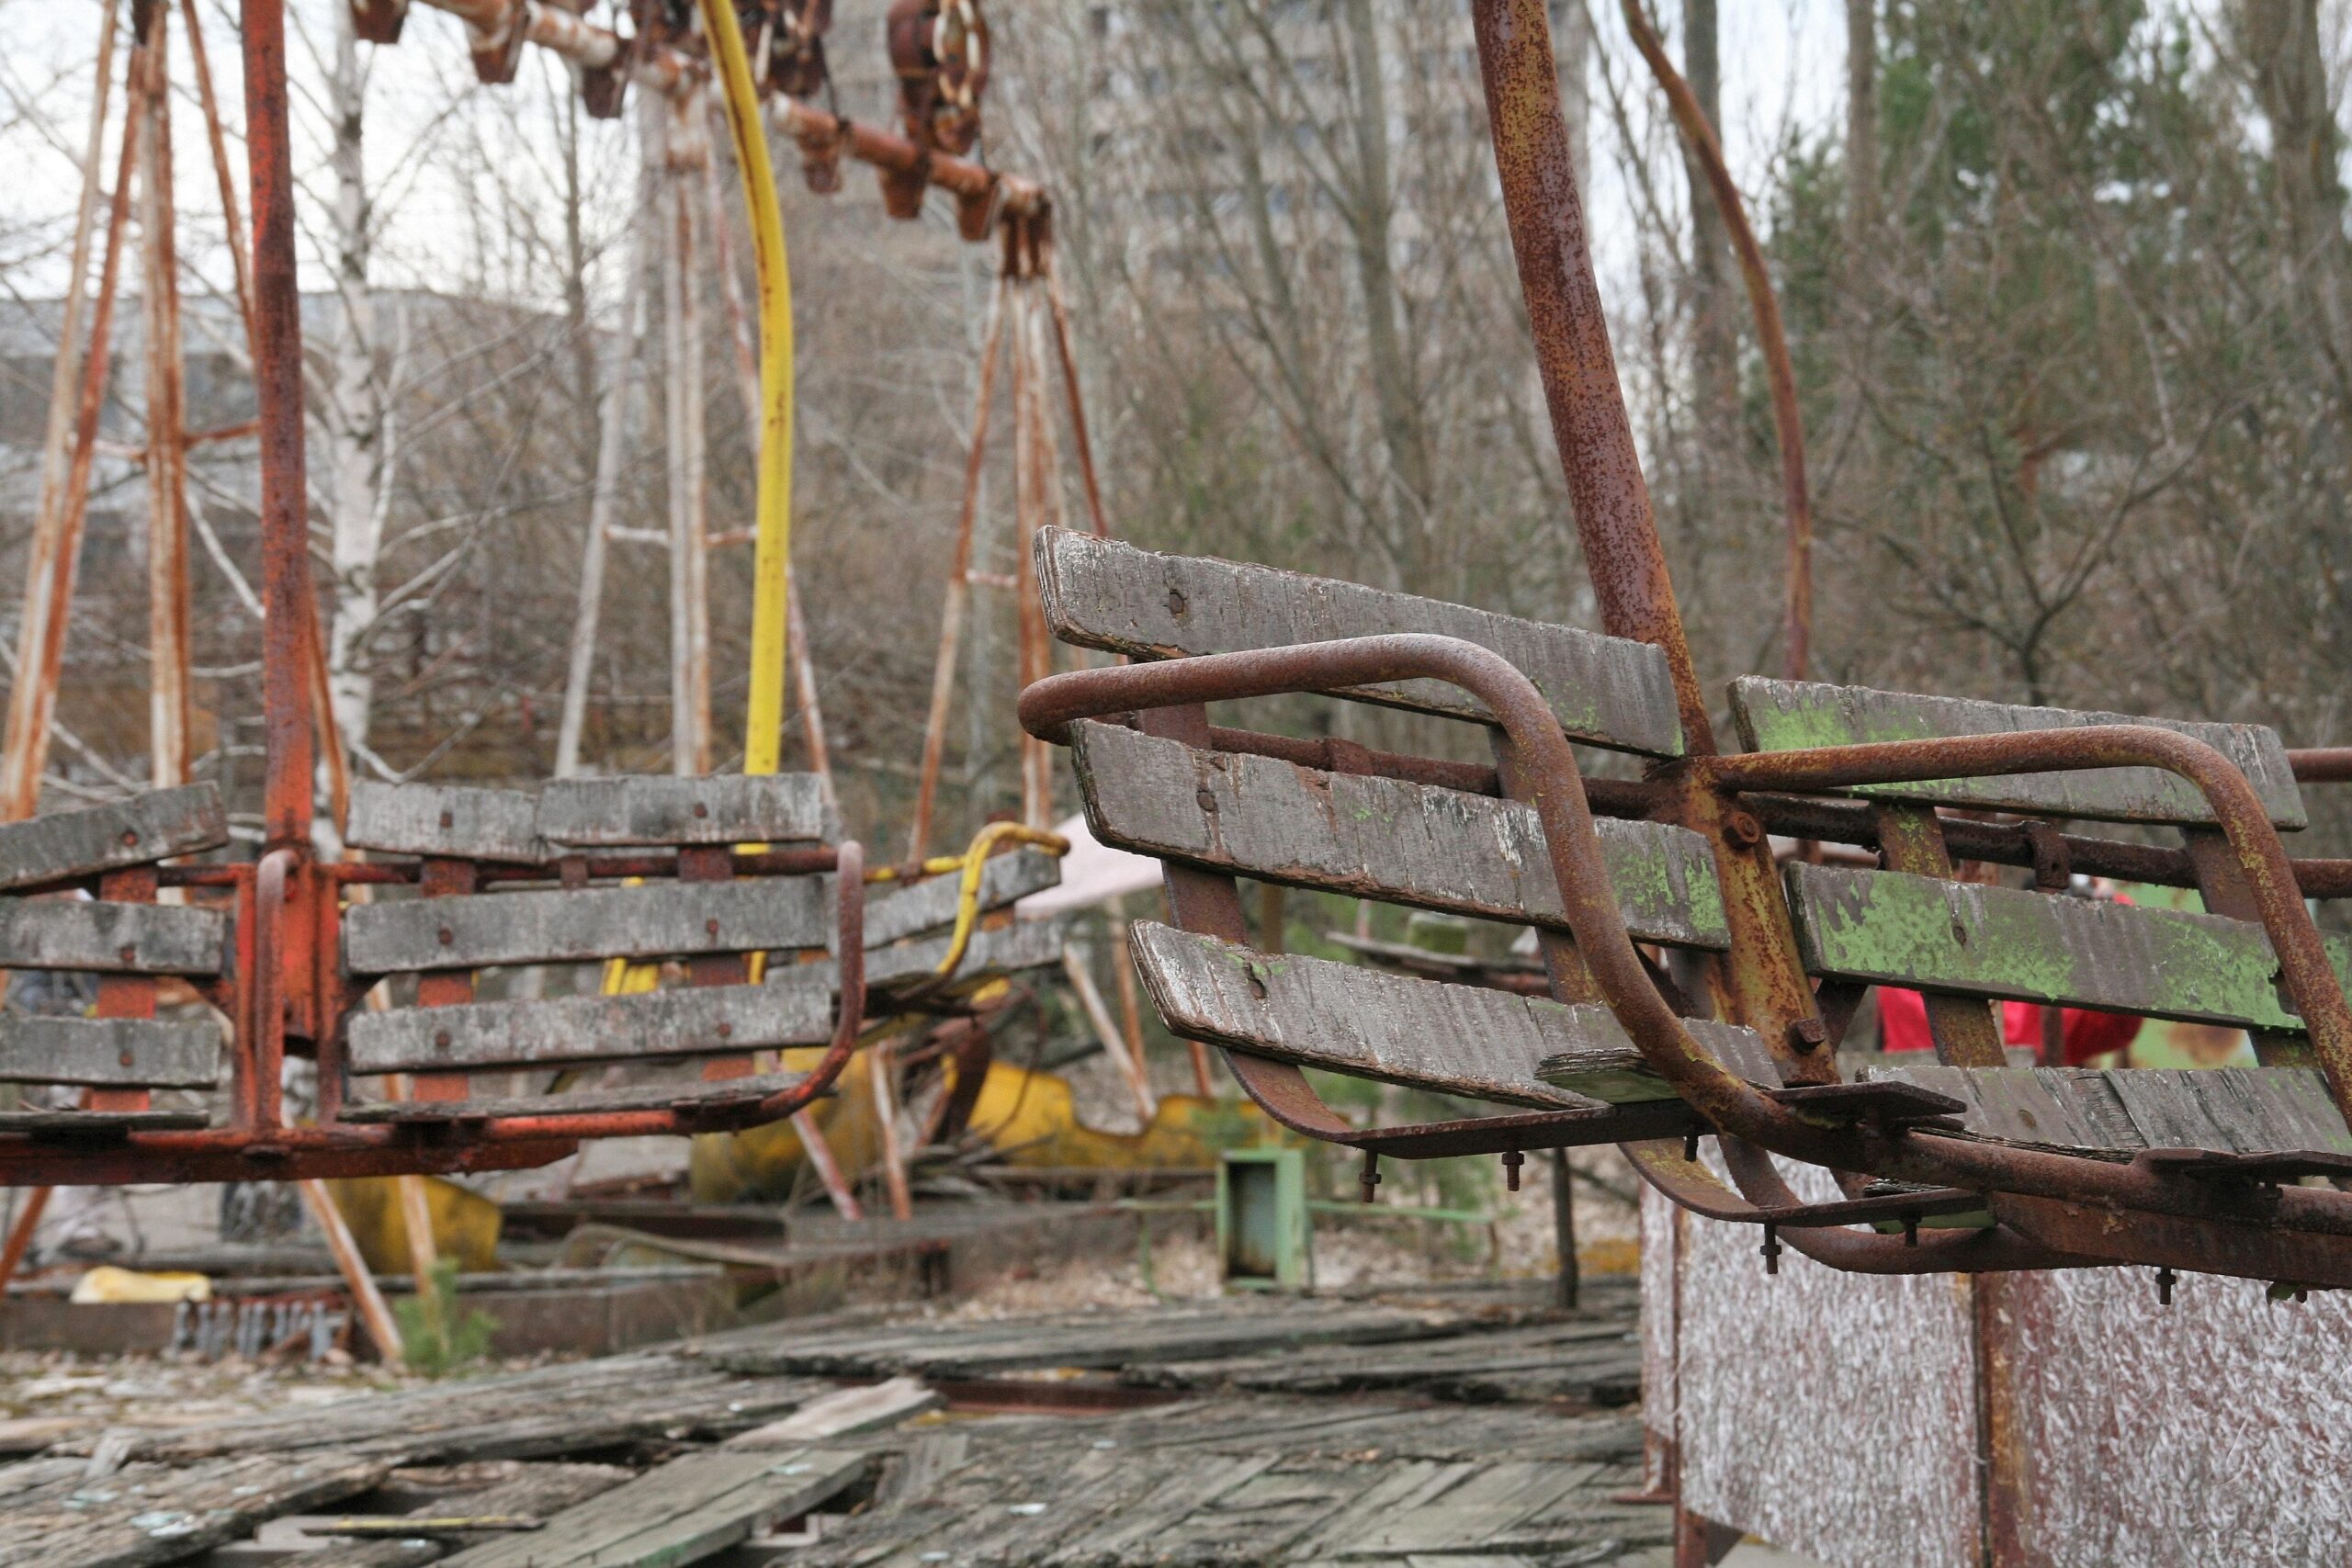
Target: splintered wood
{"type": "Point", "coordinates": [1245, 1432]}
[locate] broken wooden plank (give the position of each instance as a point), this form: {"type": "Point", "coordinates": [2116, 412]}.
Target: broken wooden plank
{"type": "Point", "coordinates": [109, 1052]}
{"type": "Point", "coordinates": [671, 919]}
{"type": "Point", "coordinates": [2245, 1110]}
{"type": "Point", "coordinates": [732, 809]}
{"type": "Point", "coordinates": [931, 904]}
{"type": "Point", "coordinates": [686, 1092]}
{"type": "Point", "coordinates": [146, 1513]}
{"type": "Point", "coordinates": [1790, 716]}
{"type": "Point", "coordinates": [843, 1413]}
{"type": "Point", "coordinates": [1979, 939]}
{"type": "Point", "coordinates": [1407, 843]}
{"type": "Point", "coordinates": [138, 831]}
{"type": "Point", "coordinates": [693, 1507]}
{"type": "Point", "coordinates": [567, 1030]}
{"type": "Point", "coordinates": [447, 820]}
{"type": "Point", "coordinates": [110, 938]}
{"type": "Point", "coordinates": [1463, 1040]}
{"type": "Point", "coordinates": [1101, 593]}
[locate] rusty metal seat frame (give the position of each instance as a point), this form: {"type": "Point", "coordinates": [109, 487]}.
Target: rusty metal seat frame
{"type": "Point", "coordinates": [2246, 1226]}
{"type": "Point", "coordinates": [286, 995]}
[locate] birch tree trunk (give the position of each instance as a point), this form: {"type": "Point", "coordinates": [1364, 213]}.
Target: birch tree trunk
{"type": "Point", "coordinates": [357, 409]}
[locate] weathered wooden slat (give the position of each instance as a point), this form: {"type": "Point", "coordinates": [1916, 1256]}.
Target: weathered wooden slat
{"type": "Point", "coordinates": [441, 819]}
{"type": "Point", "coordinates": [110, 938]}
{"type": "Point", "coordinates": [1101, 593]}
{"type": "Point", "coordinates": [1407, 843]}
{"type": "Point", "coordinates": [1463, 1040]}
{"type": "Point", "coordinates": [558, 927]}
{"type": "Point", "coordinates": [930, 905]}
{"type": "Point", "coordinates": [1788, 715]}
{"type": "Point", "coordinates": [1620, 1075]}
{"type": "Point", "coordinates": [2246, 1110]}
{"type": "Point", "coordinates": [109, 1053]}
{"type": "Point", "coordinates": [569, 1030]}
{"type": "Point", "coordinates": [690, 1508]}
{"type": "Point", "coordinates": [732, 809]}
{"type": "Point", "coordinates": [1976, 939]}
{"type": "Point", "coordinates": [628, 1097]}
{"type": "Point", "coordinates": [147, 827]}
{"type": "Point", "coordinates": [1025, 944]}
{"type": "Point", "coordinates": [100, 1124]}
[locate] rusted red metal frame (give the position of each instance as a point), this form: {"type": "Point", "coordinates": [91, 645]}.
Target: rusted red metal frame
{"type": "Point", "coordinates": [1533, 745]}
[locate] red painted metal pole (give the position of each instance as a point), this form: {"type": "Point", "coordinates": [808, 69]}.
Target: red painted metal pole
{"type": "Point", "coordinates": [277, 378]}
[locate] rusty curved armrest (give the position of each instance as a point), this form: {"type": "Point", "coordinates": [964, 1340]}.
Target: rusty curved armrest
{"type": "Point", "coordinates": [1547, 780]}
{"type": "Point", "coordinates": [2278, 901]}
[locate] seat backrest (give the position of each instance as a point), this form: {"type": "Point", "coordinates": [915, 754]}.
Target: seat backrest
{"type": "Point", "coordinates": [1100, 593]}
{"type": "Point", "coordinates": [1962, 943]}
{"type": "Point", "coordinates": [482, 908]}
{"type": "Point", "coordinates": [98, 914]}
{"type": "Point", "coordinates": [1386, 839]}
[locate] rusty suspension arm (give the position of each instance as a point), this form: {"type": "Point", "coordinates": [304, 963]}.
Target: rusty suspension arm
{"type": "Point", "coordinates": [495, 28]}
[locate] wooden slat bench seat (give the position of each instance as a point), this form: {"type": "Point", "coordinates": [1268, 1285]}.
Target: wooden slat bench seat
{"type": "Point", "coordinates": [2116, 1113]}
{"type": "Point", "coordinates": [1101, 594]}
{"type": "Point", "coordinates": [1377, 838]}
{"type": "Point", "coordinates": [1787, 716]}
{"type": "Point", "coordinates": [1464, 1040]}
{"type": "Point", "coordinates": [121, 935]}
{"type": "Point", "coordinates": [708, 918]}
{"type": "Point", "coordinates": [1971, 938]}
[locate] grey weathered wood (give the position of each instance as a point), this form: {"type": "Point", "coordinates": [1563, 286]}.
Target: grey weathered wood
{"type": "Point", "coordinates": [146, 1513]}
{"type": "Point", "coordinates": [693, 1507]}
{"type": "Point", "coordinates": [110, 938]}
{"type": "Point", "coordinates": [659, 1096]}
{"type": "Point", "coordinates": [2246, 1110]}
{"type": "Point", "coordinates": [931, 904]}
{"type": "Point", "coordinates": [563, 1031]}
{"type": "Point", "coordinates": [138, 831]}
{"type": "Point", "coordinates": [1438, 849]}
{"type": "Point", "coordinates": [109, 1052]}
{"type": "Point", "coordinates": [1788, 715]}
{"type": "Point", "coordinates": [1025, 944]}
{"type": "Point", "coordinates": [1983, 941]}
{"type": "Point", "coordinates": [556, 926]}
{"type": "Point", "coordinates": [445, 820]}
{"type": "Point", "coordinates": [732, 809]}
{"type": "Point", "coordinates": [843, 1413]}
{"type": "Point", "coordinates": [1101, 593]}
{"type": "Point", "coordinates": [91, 1122]}
{"type": "Point", "coordinates": [1463, 1040]}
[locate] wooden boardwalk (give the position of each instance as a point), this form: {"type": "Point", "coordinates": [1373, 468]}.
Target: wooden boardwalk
{"type": "Point", "coordinates": [1457, 1430]}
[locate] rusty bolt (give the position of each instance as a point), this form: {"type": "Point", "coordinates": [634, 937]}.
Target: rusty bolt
{"type": "Point", "coordinates": [1808, 1034]}
{"type": "Point", "coordinates": [1176, 606]}
{"type": "Point", "coordinates": [2163, 1287]}
{"type": "Point", "coordinates": [726, 1030]}
{"type": "Point", "coordinates": [129, 837]}
{"type": "Point", "coordinates": [1368, 1179]}
{"type": "Point", "coordinates": [700, 809]}
{"type": "Point", "coordinates": [1772, 1249]}
{"type": "Point", "coordinates": [449, 818]}
{"type": "Point", "coordinates": [447, 936]}
{"type": "Point", "coordinates": [1207, 799]}
{"type": "Point", "coordinates": [1741, 830]}
{"type": "Point", "coordinates": [124, 1058]}
{"type": "Point", "coordinates": [441, 1041]}
{"type": "Point", "coordinates": [126, 952]}
{"type": "Point", "coordinates": [711, 926]}
{"type": "Point", "coordinates": [1512, 1160]}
